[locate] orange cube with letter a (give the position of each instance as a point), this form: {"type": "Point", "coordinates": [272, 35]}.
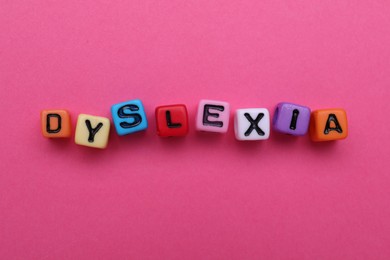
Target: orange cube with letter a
{"type": "Point", "coordinates": [328, 125]}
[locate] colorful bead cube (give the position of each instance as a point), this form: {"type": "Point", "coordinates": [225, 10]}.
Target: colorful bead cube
{"type": "Point", "coordinates": [252, 124]}
{"type": "Point", "coordinates": [56, 123]}
{"type": "Point", "coordinates": [92, 131]}
{"type": "Point", "coordinates": [213, 116]}
{"type": "Point", "coordinates": [172, 120]}
{"type": "Point", "coordinates": [291, 119]}
{"type": "Point", "coordinates": [129, 117]}
{"type": "Point", "coordinates": [328, 125]}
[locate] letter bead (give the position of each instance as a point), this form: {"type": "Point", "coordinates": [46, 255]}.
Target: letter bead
{"type": "Point", "coordinates": [56, 123]}
{"type": "Point", "coordinates": [291, 119]}
{"type": "Point", "coordinates": [172, 120]}
{"type": "Point", "coordinates": [92, 131]}
{"type": "Point", "coordinates": [213, 116]}
{"type": "Point", "coordinates": [328, 125]}
{"type": "Point", "coordinates": [252, 124]}
{"type": "Point", "coordinates": [129, 117]}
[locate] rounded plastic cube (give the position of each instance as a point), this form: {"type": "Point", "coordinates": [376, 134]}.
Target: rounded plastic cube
{"type": "Point", "coordinates": [291, 119]}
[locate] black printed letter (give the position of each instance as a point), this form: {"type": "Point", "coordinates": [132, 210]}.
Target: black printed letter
{"type": "Point", "coordinates": [337, 127]}
{"type": "Point", "coordinates": [92, 131]}
{"type": "Point", "coordinates": [48, 129]}
{"type": "Point", "coordinates": [207, 113]}
{"type": "Point", "coordinates": [169, 121]}
{"type": "Point", "coordinates": [135, 116]}
{"type": "Point", "coordinates": [254, 124]}
{"type": "Point", "coordinates": [293, 124]}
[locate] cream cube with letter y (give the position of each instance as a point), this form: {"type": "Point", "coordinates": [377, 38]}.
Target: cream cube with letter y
{"type": "Point", "coordinates": [92, 131]}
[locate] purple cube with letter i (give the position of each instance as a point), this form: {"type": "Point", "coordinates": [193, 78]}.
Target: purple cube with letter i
{"type": "Point", "coordinates": [291, 119]}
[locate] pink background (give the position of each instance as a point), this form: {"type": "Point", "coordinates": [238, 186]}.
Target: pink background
{"type": "Point", "coordinates": [205, 196]}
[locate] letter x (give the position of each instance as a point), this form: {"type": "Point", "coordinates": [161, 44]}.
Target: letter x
{"type": "Point", "coordinates": [254, 124]}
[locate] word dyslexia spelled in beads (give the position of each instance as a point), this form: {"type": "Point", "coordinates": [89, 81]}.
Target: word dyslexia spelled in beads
{"type": "Point", "coordinates": [212, 116]}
